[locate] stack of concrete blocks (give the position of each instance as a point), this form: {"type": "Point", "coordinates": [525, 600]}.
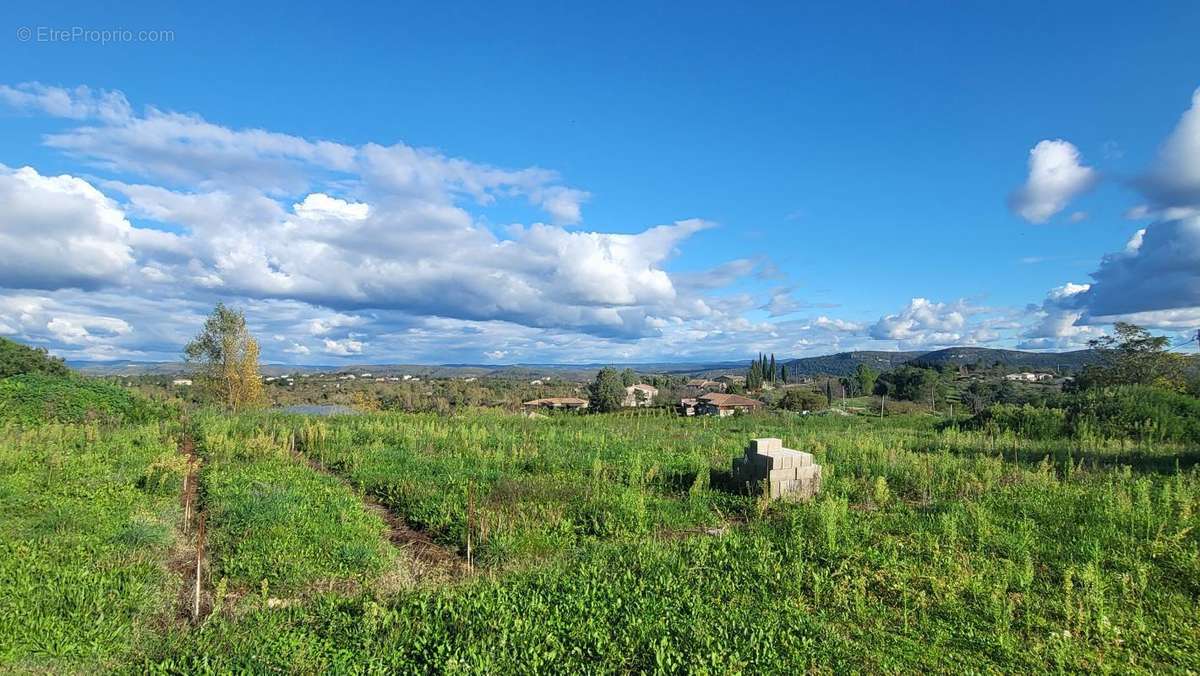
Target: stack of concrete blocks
{"type": "Point", "coordinates": [784, 473]}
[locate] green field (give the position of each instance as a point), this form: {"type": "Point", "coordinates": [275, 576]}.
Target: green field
{"type": "Point", "coordinates": [599, 543]}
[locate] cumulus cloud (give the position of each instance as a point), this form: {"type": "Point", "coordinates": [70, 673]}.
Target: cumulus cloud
{"type": "Point", "coordinates": [839, 325]}
{"type": "Point", "coordinates": [1159, 269]}
{"type": "Point", "coordinates": [341, 249]}
{"type": "Point", "coordinates": [925, 323]}
{"type": "Point", "coordinates": [388, 229]}
{"type": "Point", "coordinates": [1055, 321]}
{"type": "Point", "coordinates": [59, 231]}
{"type": "Point", "coordinates": [343, 348]}
{"type": "Point", "coordinates": [1056, 176]}
{"type": "Point", "coordinates": [1173, 179]}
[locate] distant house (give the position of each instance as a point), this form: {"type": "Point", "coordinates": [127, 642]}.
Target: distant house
{"type": "Point", "coordinates": [1029, 377]}
{"type": "Point", "coordinates": [728, 380]}
{"type": "Point", "coordinates": [639, 395]}
{"type": "Point", "coordinates": [180, 382]}
{"type": "Point", "coordinates": [720, 404]}
{"type": "Point", "coordinates": [568, 403]}
{"type": "Point", "coordinates": [536, 382]}
{"type": "Point", "coordinates": [687, 405]}
{"type": "Point", "coordinates": [707, 385]}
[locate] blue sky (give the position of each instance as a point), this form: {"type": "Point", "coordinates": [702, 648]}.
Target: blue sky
{"type": "Point", "coordinates": [819, 168]}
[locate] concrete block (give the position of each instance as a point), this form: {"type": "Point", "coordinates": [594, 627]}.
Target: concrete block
{"type": "Point", "coordinates": [766, 444]}
{"type": "Point", "coordinates": [777, 471]}
{"type": "Point", "coordinates": [781, 474]}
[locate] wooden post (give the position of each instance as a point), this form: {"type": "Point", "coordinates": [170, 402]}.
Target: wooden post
{"type": "Point", "coordinates": [470, 509]}
{"type": "Point", "coordinates": [187, 499]}
{"type": "Point", "coordinates": [199, 558]}
{"type": "Point", "coordinates": [882, 401]}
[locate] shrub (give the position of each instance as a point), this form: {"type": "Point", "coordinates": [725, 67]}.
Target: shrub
{"type": "Point", "coordinates": [1139, 412]}
{"type": "Point", "coordinates": [16, 359]}
{"type": "Point", "coordinates": [35, 398]}
{"type": "Point", "coordinates": [800, 399]}
{"type": "Point", "coordinates": [1033, 422]}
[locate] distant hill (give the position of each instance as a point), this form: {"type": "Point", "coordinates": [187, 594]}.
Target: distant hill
{"type": "Point", "coordinates": [844, 363]}
{"type": "Point", "coordinates": [1060, 361]}
{"type": "Point", "coordinates": [126, 367]}
{"type": "Point", "coordinates": [517, 371]}
{"type": "Point", "coordinates": [841, 364]}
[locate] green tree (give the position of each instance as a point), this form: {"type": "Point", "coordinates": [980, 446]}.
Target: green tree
{"type": "Point", "coordinates": [754, 376]}
{"type": "Point", "coordinates": [607, 391]}
{"type": "Point", "coordinates": [783, 374]}
{"type": "Point", "coordinates": [801, 399]}
{"type": "Point", "coordinates": [628, 377]}
{"type": "Point", "coordinates": [912, 383]}
{"type": "Point", "coordinates": [1131, 356]}
{"type": "Point", "coordinates": [225, 358]}
{"type": "Point", "coordinates": [772, 371]}
{"type": "Point", "coordinates": [16, 359]}
{"type": "Point", "coordinates": [865, 377]}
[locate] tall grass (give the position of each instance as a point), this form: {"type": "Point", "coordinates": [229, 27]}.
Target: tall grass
{"type": "Point", "coordinates": [276, 525]}
{"type": "Point", "coordinates": [927, 550]}
{"type": "Point", "coordinates": [88, 516]}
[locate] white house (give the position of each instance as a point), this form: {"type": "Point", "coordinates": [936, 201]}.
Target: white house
{"type": "Point", "coordinates": [1029, 377]}
{"type": "Point", "coordinates": [639, 395]}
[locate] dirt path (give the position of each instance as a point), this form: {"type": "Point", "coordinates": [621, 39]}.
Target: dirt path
{"type": "Point", "coordinates": [429, 559]}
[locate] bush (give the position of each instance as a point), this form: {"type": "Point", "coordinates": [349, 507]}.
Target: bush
{"type": "Point", "coordinates": [1033, 422]}
{"type": "Point", "coordinates": [16, 359]}
{"type": "Point", "coordinates": [35, 398]}
{"type": "Point", "coordinates": [1139, 412]}
{"type": "Point", "coordinates": [800, 399]}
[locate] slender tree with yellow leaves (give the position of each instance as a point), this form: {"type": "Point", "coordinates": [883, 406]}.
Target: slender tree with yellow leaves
{"type": "Point", "coordinates": [225, 358]}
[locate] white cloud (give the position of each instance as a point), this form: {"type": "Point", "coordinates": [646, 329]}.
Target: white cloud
{"type": "Point", "coordinates": [343, 348]}
{"type": "Point", "coordinates": [1055, 322]}
{"type": "Point", "coordinates": [1056, 176]}
{"type": "Point", "coordinates": [924, 324]}
{"type": "Point", "coordinates": [1159, 269]}
{"type": "Point", "coordinates": [59, 231]}
{"type": "Point", "coordinates": [1173, 179]}
{"type": "Point", "coordinates": [79, 103]}
{"type": "Point", "coordinates": [297, 349]}
{"type": "Point", "coordinates": [840, 325]}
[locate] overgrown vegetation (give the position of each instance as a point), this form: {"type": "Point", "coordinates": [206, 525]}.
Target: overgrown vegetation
{"type": "Point", "coordinates": [926, 550]}
{"type": "Point", "coordinates": [276, 525]}
{"type": "Point", "coordinates": [35, 398]}
{"type": "Point", "coordinates": [88, 518]}
{"type": "Point", "coordinates": [16, 359]}
{"type": "Point", "coordinates": [1058, 535]}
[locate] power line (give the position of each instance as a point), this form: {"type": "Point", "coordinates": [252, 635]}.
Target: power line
{"type": "Point", "coordinates": [1187, 341]}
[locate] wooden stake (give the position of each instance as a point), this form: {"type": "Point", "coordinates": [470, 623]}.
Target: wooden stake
{"type": "Point", "coordinates": [199, 558]}
{"type": "Point", "coordinates": [470, 510]}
